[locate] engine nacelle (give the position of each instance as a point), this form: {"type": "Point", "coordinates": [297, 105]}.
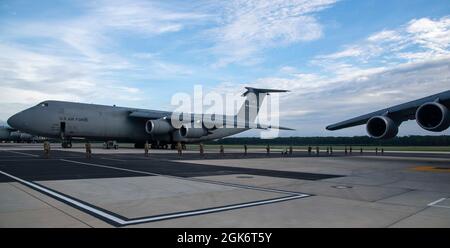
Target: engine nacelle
{"type": "Point", "coordinates": [157, 127]}
{"type": "Point", "coordinates": [25, 136]}
{"type": "Point", "coordinates": [14, 136]}
{"type": "Point", "coordinates": [381, 127]}
{"type": "Point", "coordinates": [433, 116]}
{"type": "Point", "coordinates": [193, 132]}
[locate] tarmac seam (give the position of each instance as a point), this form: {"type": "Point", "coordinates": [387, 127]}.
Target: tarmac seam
{"type": "Point", "coordinates": [401, 193]}
{"type": "Point", "coordinates": [188, 179]}
{"type": "Point", "coordinates": [406, 217]}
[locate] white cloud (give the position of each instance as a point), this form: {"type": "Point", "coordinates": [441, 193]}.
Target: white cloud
{"type": "Point", "coordinates": [385, 35]}
{"type": "Point", "coordinates": [250, 26]}
{"type": "Point", "coordinates": [141, 16]}
{"type": "Point", "coordinates": [349, 52]}
{"type": "Point", "coordinates": [431, 34]}
{"type": "Point", "coordinates": [388, 68]}
{"type": "Point", "coordinates": [78, 58]}
{"type": "Point", "coordinates": [418, 40]}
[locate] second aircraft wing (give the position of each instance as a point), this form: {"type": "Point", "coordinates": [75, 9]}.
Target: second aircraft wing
{"type": "Point", "coordinates": [404, 112]}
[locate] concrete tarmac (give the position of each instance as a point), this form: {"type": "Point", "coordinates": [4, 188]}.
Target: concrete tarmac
{"type": "Point", "coordinates": [123, 188]}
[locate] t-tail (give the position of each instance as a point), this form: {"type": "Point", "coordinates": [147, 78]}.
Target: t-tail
{"type": "Point", "coordinates": [253, 100]}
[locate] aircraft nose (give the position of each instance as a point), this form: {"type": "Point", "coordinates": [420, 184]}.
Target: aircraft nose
{"type": "Point", "coordinates": [14, 121]}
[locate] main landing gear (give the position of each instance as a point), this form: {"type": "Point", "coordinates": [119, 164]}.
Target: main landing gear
{"type": "Point", "coordinates": [160, 146]}
{"type": "Point", "coordinates": [152, 146]}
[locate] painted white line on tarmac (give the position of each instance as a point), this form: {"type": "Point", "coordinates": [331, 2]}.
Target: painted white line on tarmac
{"type": "Point", "coordinates": [67, 199]}
{"type": "Point", "coordinates": [435, 203]}
{"type": "Point", "coordinates": [23, 153]}
{"type": "Point", "coordinates": [213, 210]}
{"type": "Point", "coordinates": [123, 222]}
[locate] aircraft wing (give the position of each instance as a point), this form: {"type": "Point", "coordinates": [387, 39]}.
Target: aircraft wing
{"type": "Point", "coordinates": [150, 114]}
{"type": "Point", "coordinates": [154, 115]}
{"type": "Point", "coordinates": [398, 113]}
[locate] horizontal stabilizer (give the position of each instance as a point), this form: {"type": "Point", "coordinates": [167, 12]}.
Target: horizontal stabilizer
{"type": "Point", "coordinates": [264, 126]}
{"type": "Point", "coordinates": [258, 90]}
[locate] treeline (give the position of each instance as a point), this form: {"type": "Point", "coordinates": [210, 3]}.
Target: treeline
{"type": "Point", "coordinates": [443, 140]}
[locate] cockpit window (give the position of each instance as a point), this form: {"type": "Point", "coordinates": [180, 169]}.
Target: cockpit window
{"type": "Point", "coordinates": [44, 104]}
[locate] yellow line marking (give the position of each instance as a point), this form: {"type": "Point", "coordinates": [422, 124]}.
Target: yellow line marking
{"type": "Point", "coordinates": [431, 169]}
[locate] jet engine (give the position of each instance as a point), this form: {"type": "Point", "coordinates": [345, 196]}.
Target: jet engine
{"type": "Point", "coordinates": [26, 137]}
{"type": "Point", "coordinates": [433, 116]}
{"type": "Point", "coordinates": [157, 127]}
{"type": "Point", "coordinates": [193, 132]}
{"type": "Point", "coordinates": [381, 127]}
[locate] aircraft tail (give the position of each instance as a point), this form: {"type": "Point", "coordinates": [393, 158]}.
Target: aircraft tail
{"type": "Point", "coordinates": [253, 100]}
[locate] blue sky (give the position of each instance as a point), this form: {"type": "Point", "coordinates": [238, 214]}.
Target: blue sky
{"type": "Point", "coordinates": [339, 58]}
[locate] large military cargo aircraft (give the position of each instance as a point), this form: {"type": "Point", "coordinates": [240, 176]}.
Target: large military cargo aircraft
{"type": "Point", "coordinates": [431, 113]}
{"type": "Point", "coordinates": [10, 134]}
{"type": "Point", "coordinates": [70, 120]}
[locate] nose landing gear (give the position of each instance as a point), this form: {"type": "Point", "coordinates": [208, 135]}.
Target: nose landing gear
{"type": "Point", "coordinates": [159, 146]}
{"type": "Point", "coordinates": [66, 144]}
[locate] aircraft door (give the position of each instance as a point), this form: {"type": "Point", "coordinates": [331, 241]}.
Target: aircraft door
{"type": "Point", "coordinates": [62, 128]}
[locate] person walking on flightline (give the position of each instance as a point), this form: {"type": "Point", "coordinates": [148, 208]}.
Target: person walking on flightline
{"type": "Point", "coordinates": [88, 149]}
{"type": "Point", "coordinates": [245, 150]}
{"type": "Point", "coordinates": [222, 151]}
{"type": "Point", "coordinates": [146, 149]}
{"type": "Point", "coordinates": [179, 149]}
{"type": "Point", "coordinates": [202, 150]}
{"type": "Point", "coordinates": [46, 149]}
{"type": "Point", "coordinates": [268, 150]}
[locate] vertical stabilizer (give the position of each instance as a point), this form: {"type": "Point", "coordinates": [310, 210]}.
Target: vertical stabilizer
{"type": "Point", "coordinates": [253, 100]}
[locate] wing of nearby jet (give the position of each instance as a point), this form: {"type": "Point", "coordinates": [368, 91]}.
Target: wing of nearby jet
{"type": "Point", "coordinates": [431, 113]}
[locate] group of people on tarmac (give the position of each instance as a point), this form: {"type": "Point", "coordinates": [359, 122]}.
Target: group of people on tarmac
{"type": "Point", "coordinates": [180, 147]}
{"type": "Point", "coordinates": [47, 149]}
{"type": "Point", "coordinates": [348, 150]}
